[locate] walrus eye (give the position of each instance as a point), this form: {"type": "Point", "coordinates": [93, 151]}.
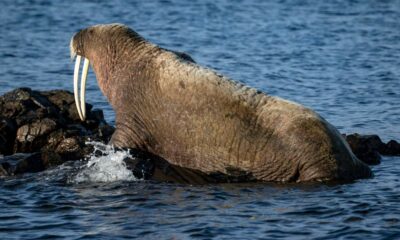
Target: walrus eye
{"type": "Point", "coordinates": [80, 105]}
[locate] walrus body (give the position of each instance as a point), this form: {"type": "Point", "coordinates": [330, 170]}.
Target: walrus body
{"type": "Point", "coordinates": [193, 117]}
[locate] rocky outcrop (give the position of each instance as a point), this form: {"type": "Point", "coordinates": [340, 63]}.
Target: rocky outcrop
{"type": "Point", "coordinates": [369, 148]}
{"type": "Point", "coordinates": [46, 127]}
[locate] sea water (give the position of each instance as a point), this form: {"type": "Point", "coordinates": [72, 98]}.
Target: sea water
{"type": "Point", "coordinates": [341, 58]}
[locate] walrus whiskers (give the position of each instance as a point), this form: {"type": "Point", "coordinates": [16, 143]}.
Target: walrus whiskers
{"type": "Point", "coordinates": [80, 104]}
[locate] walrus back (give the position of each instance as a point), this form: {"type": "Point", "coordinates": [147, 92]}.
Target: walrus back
{"type": "Point", "coordinates": [218, 124]}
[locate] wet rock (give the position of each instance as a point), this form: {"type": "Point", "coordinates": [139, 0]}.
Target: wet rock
{"type": "Point", "coordinates": [7, 135]}
{"type": "Point", "coordinates": [95, 119]}
{"type": "Point", "coordinates": [51, 158]}
{"type": "Point", "coordinates": [31, 131]}
{"type": "Point", "coordinates": [60, 98]}
{"type": "Point", "coordinates": [11, 109]}
{"type": "Point", "coordinates": [30, 164]}
{"type": "Point", "coordinates": [68, 145]}
{"type": "Point", "coordinates": [31, 137]}
{"type": "Point", "coordinates": [48, 125]}
{"type": "Point", "coordinates": [3, 170]}
{"type": "Point", "coordinates": [369, 148]}
{"type": "Point", "coordinates": [18, 95]}
{"type": "Point", "coordinates": [54, 138]}
{"type": "Point", "coordinates": [366, 147]}
{"type": "Point", "coordinates": [104, 131]}
{"type": "Point", "coordinates": [22, 163]}
{"type": "Point", "coordinates": [15, 103]}
{"type": "Point", "coordinates": [391, 148]}
{"type": "Point", "coordinates": [70, 149]}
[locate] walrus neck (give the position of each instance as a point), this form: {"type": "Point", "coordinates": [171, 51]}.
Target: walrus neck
{"type": "Point", "coordinates": [133, 91]}
{"type": "Point", "coordinates": [114, 67]}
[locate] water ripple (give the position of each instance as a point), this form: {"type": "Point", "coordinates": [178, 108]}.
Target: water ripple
{"type": "Point", "coordinates": [339, 57]}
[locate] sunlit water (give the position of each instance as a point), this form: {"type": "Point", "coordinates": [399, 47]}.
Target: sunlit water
{"type": "Point", "coordinates": [340, 58]}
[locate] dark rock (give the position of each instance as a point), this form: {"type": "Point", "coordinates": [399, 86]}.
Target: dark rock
{"type": "Point", "coordinates": [40, 101]}
{"type": "Point", "coordinates": [22, 163]}
{"type": "Point", "coordinates": [47, 124]}
{"type": "Point", "coordinates": [104, 132]}
{"type": "Point", "coordinates": [366, 147]}
{"type": "Point", "coordinates": [70, 149]}
{"type": "Point", "coordinates": [31, 137]}
{"type": "Point", "coordinates": [391, 148]}
{"type": "Point", "coordinates": [54, 138]}
{"type": "Point", "coordinates": [95, 119]}
{"type": "Point", "coordinates": [68, 145]}
{"type": "Point", "coordinates": [72, 113]}
{"type": "Point", "coordinates": [32, 163]}
{"type": "Point", "coordinates": [7, 136]}
{"type": "Point", "coordinates": [51, 158]}
{"type": "Point", "coordinates": [98, 115]}
{"type": "Point", "coordinates": [3, 170]}
{"type": "Point", "coordinates": [11, 109]}
{"type": "Point", "coordinates": [16, 102]}
{"type": "Point", "coordinates": [369, 148]}
{"type": "Point", "coordinates": [18, 95]}
{"type": "Point", "coordinates": [60, 98]}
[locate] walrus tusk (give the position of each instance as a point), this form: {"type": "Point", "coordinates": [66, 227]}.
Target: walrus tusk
{"type": "Point", "coordinates": [76, 75]}
{"type": "Point", "coordinates": [83, 87]}
{"type": "Point", "coordinates": [80, 104]}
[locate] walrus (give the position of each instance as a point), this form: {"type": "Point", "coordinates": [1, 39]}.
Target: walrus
{"type": "Point", "coordinates": [168, 105]}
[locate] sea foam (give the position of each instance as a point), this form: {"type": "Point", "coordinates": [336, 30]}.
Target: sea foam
{"type": "Point", "coordinates": [105, 164]}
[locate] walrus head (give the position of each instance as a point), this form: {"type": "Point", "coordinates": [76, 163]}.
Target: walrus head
{"type": "Point", "coordinates": [99, 45]}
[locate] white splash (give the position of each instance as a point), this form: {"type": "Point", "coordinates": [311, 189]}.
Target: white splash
{"type": "Point", "coordinates": [108, 167]}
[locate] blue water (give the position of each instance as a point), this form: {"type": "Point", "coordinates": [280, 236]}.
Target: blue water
{"type": "Point", "coordinates": [341, 58]}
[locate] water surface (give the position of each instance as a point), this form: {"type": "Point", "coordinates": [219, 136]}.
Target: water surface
{"type": "Point", "coordinates": [340, 58]}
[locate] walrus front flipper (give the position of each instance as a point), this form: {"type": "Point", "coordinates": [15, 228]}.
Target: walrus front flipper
{"type": "Point", "coordinates": [147, 166]}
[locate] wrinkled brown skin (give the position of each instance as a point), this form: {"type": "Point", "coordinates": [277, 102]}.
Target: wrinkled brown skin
{"type": "Point", "coordinates": [193, 117]}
